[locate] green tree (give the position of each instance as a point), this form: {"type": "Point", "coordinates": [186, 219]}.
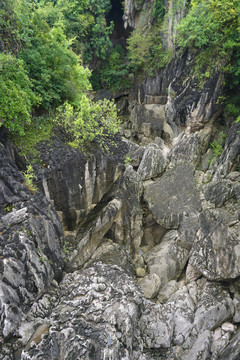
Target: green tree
{"type": "Point", "coordinates": [16, 96]}
{"type": "Point", "coordinates": [55, 70]}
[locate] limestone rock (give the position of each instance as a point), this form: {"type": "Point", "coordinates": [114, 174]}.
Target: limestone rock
{"type": "Point", "coordinates": [214, 308]}
{"type": "Point", "coordinates": [76, 183]}
{"type": "Point", "coordinates": [218, 193]}
{"type": "Point", "coordinates": [172, 196]}
{"type": "Point", "coordinates": [127, 227]}
{"type": "Point", "coordinates": [150, 285]}
{"type": "Point", "coordinates": [30, 246]}
{"type": "Point", "coordinates": [167, 290]}
{"type": "Point", "coordinates": [201, 347]}
{"type": "Point", "coordinates": [140, 272]}
{"type": "Point", "coordinates": [231, 352]}
{"type": "Point", "coordinates": [157, 327]}
{"type": "Point", "coordinates": [228, 160]}
{"type": "Point", "coordinates": [216, 250]}
{"type": "Point", "coordinates": [148, 119]}
{"type": "Point", "coordinates": [89, 237]}
{"type": "Point", "coordinates": [189, 148]}
{"type": "Point", "coordinates": [96, 318]}
{"type": "Point", "coordinates": [153, 163]}
{"type": "Point", "coordinates": [167, 259]}
{"type": "Point", "coordinates": [110, 253]}
{"type": "Point", "coordinates": [183, 318]}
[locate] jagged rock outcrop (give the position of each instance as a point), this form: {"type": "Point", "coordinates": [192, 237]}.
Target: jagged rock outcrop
{"type": "Point", "coordinates": [31, 238]}
{"type": "Point", "coordinates": [152, 253]}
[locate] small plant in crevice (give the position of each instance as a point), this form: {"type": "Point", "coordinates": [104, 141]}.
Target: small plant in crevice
{"type": "Point", "coordinates": [9, 208]}
{"type": "Point", "coordinates": [29, 177]}
{"type": "Point", "coordinates": [127, 160]}
{"type": "Point", "coordinates": [217, 147]}
{"type": "Point", "coordinates": [66, 247]}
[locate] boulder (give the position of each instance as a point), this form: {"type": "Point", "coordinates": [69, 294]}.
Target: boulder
{"type": "Point", "coordinates": [168, 259]}
{"type": "Point", "coordinates": [153, 163]}
{"type": "Point", "coordinates": [201, 348]}
{"type": "Point", "coordinates": [150, 285]}
{"type": "Point", "coordinates": [167, 291]}
{"type": "Point", "coordinates": [216, 250]}
{"type": "Point", "coordinates": [214, 307]}
{"type": "Point", "coordinates": [189, 147]}
{"type": "Point", "coordinates": [173, 196]}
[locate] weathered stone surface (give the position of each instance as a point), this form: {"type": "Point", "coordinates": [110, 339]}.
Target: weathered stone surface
{"type": "Point", "coordinates": [110, 253]}
{"type": "Point", "coordinates": [216, 250]}
{"type": "Point", "coordinates": [183, 318]}
{"type": "Point", "coordinates": [89, 238]}
{"type": "Point", "coordinates": [153, 163]}
{"type": "Point", "coordinates": [201, 347]}
{"type": "Point", "coordinates": [173, 196]}
{"type": "Point", "coordinates": [150, 285]}
{"type": "Point", "coordinates": [30, 246]}
{"type": "Point", "coordinates": [229, 158]}
{"type": "Point", "coordinates": [127, 227]}
{"type": "Point", "coordinates": [167, 290]}
{"type": "Point", "coordinates": [219, 192]}
{"type": "Point", "coordinates": [189, 148]}
{"type": "Point", "coordinates": [75, 182]}
{"type": "Point", "coordinates": [150, 115]}
{"type": "Point", "coordinates": [232, 351]}
{"type": "Point", "coordinates": [135, 153]}
{"type": "Point", "coordinates": [97, 317]}
{"type": "Point", "coordinates": [157, 327]}
{"type": "Point", "coordinates": [214, 307]}
{"type": "Point", "coordinates": [167, 259]}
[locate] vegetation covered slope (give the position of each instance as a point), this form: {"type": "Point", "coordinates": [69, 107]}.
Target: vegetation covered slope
{"type": "Point", "coordinates": [46, 46]}
{"type": "Point", "coordinates": [41, 71]}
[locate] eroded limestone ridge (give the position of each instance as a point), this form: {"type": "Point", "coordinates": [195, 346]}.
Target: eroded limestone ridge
{"type": "Point", "coordinates": [132, 254]}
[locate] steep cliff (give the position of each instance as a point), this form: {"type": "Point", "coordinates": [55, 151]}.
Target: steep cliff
{"type": "Point", "coordinates": [149, 232]}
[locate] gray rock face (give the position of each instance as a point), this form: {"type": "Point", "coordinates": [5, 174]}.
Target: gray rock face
{"type": "Point", "coordinates": [148, 120]}
{"type": "Point", "coordinates": [153, 163]}
{"type": "Point", "coordinates": [189, 148]}
{"type": "Point", "coordinates": [201, 347]}
{"type": "Point", "coordinates": [173, 196]}
{"type": "Point", "coordinates": [215, 306]}
{"type": "Point", "coordinates": [76, 183]}
{"type": "Point", "coordinates": [216, 250]}
{"type": "Point", "coordinates": [229, 158]}
{"type": "Point", "coordinates": [30, 247]}
{"type": "Point", "coordinates": [166, 260]}
{"type": "Point", "coordinates": [98, 318]}
{"type": "Point", "coordinates": [90, 237]}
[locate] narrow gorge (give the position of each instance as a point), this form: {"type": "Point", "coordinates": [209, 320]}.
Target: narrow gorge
{"type": "Point", "coordinates": [131, 253]}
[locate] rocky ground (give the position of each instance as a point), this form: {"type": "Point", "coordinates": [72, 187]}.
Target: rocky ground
{"type": "Point", "coordinates": [131, 254]}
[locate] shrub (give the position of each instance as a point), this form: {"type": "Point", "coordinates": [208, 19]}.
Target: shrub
{"type": "Point", "coordinates": [16, 95]}
{"type": "Point", "coordinates": [89, 121]}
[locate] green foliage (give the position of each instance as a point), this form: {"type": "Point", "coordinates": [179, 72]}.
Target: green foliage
{"type": "Point", "coordinates": [127, 160]}
{"type": "Point", "coordinates": [56, 72]}
{"type": "Point", "coordinates": [29, 177]}
{"type": "Point", "coordinates": [112, 74]}
{"type": "Point", "coordinates": [85, 21]}
{"type": "Point", "coordinates": [158, 9]}
{"type": "Point", "coordinates": [212, 30]}
{"type": "Point", "coordinates": [14, 24]}
{"type": "Point", "coordinates": [38, 130]}
{"type": "Point", "coordinates": [9, 208]}
{"type": "Point", "coordinates": [217, 146]}
{"type": "Point", "coordinates": [89, 121]}
{"type": "Point", "coordinates": [145, 50]}
{"type": "Point", "coordinates": [16, 95]}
